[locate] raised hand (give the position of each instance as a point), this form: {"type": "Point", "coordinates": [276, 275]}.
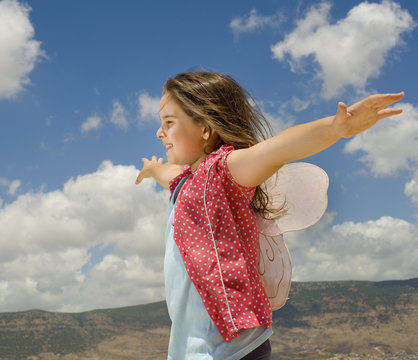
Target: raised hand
{"type": "Point", "coordinates": [148, 168]}
{"type": "Point", "coordinates": [364, 114]}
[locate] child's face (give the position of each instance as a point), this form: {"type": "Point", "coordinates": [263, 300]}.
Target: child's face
{"type": "Point", "coordinates": [183, 139]}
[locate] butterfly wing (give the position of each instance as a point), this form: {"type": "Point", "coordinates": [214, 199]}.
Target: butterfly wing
{"type": "Point", "coordinates": [274, 263]}
{"type": "Point", "coordinates": [302, 189]}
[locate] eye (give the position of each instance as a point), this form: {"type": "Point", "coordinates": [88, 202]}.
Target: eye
{"type": "Point", "coordinates": [166, 123]}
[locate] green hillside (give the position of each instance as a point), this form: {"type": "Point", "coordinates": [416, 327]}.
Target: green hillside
{"type": "Point", "coordinates": [35, 331]}
{"type": "Point", "coordinates": [356, 298]}
{"type": "Point", "coordinates": [357, 303]}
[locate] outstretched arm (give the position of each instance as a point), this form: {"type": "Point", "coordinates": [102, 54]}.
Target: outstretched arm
{"type": "Point", "coordinates": [254, 165]}
{"type": "Point", "coordinates": [162, 173]}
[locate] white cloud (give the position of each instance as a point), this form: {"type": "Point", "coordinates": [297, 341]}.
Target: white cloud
{"type": "Point", "coordinates": [253, 21]}
{"type": "Point", "coordinates": [391, 145]}
{"type": "Point", "coordinates": [19, 52]}
{"type": "Point", "coordinates": [12, 186]}
{"type": "Point", "coordinates": [98, 243]}
{"type": "Point", "coordinates": [49, 243]}
{"type": "Point", "coordinates": [118, 116]}
{"type": "Point", "coordinates": [350, 51]}
{"type": "Point", "coordinates": [299, 105]}
{"type": "Point", "coordinates": [411, 189]}
{"type": "Point", "coordinates": [386, 248]}
{"type": "Point", "coordinates": [149, 108]}
{"type": "Point", "coordinates": [92, 123]}
{"type": "Point", "coordinates": [279, 120]}
{"type": "Point", "coordinates": [139, 280]}
{"type": "Point", "coordinates": [68, 137]}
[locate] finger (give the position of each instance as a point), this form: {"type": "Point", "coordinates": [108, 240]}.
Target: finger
{"type": "Point", "coordinates": [383, 100]}
{"type": "Point", "coordinates": [160, 160]}
{"type": "Point", "coordinates": [388, 112]}
{"type": "Point", "coordinates": [154, 158]}
{"type": "Point", "coordinates": [342, 110]}
{"type": "Point", "coordinates": [397, 96]}
{"type": "Point", "coordinates": [392, 98]}
{"type": "Point", "coordinates": [144, 161]}
{"type": "Point", "coordinates": [342, 106]}
{"type": "Point", "coordinates": [139, 179]}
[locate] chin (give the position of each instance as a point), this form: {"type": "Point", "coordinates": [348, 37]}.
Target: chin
{"type": "Point", "coordinates": [173, 161]}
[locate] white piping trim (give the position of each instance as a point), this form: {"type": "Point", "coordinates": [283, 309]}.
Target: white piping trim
{"type": "Point", "coordinates": [216, 250]}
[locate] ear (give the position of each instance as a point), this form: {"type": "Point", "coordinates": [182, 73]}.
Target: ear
{"type": "Point", "coordinates": [206, 132]}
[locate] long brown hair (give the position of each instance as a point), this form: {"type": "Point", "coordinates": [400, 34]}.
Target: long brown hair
{"type": "Point", "coordinates": [219, 102]}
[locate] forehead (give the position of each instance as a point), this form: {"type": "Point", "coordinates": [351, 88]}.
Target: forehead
{"type": "Point", "coordinates": [167, 104]}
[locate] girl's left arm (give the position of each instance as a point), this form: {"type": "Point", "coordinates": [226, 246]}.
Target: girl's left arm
{"type": "Point", "coordinates": [252, 166]}
{"type": "Point", "coordinates": [162, 173]}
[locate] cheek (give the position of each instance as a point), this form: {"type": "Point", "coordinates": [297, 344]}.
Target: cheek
{"type": "Point", "coordinates": [186, 138]}
{"type": "Point", "coordinates": [177, 137]}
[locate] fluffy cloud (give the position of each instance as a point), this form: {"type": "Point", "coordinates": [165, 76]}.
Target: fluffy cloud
{"type": "Point", "coordinates": [19, 52]}
{"type": "Point", "coordinates": [149, 108]}
{"type": "Point", "coordinates": [118, 116]}
{"type": "Point", "coordinates": [148, 112]}
{"type": "Point", "coordinates": [390, 145]}
{"type": "Point", "coordinates": [373, 250]}
{"type": "Point", "coordinates": [92, 123]}
{"type": "Point", "coordinates": [253, 21]}
{"type": "Point", "coordinates": [12, 186]}
{"type": "Point", "coordinates": [279, 120]}
{"type": "Point", "coordinates": [98, 242]}
{"type": "Point", "coordinates": [411, 189]}
{"type": "Point", "coordinates": [350, 51]}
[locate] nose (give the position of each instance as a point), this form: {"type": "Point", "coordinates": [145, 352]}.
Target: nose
{"type": "Point", "coordinates": [160, 133]}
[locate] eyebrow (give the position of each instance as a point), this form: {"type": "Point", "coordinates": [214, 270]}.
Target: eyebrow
{"type": "Point", "coordinates": [168, 116]}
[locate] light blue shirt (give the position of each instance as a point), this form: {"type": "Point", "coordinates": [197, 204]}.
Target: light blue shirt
{"type": "Point", "coordinates": [193, 335]}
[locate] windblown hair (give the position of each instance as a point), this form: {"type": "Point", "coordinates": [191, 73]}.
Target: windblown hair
{"type": "Point", "coordinates": [219, 102]}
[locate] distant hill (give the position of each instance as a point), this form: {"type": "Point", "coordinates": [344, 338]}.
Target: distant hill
{"type": "Point", "coordinates": [320, 320]}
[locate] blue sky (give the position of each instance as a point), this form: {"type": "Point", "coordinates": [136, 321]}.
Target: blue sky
{"type": "Point", "coordinates": [79, 88]}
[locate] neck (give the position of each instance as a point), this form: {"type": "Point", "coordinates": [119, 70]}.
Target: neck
{"type": "Point", "coordinates": [196, 164]}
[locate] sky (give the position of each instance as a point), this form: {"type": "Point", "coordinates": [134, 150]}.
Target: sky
{"type": "Point", "coordinates": [80, 83]}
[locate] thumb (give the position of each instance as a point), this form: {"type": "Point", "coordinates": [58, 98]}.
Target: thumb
{"type": "Point", "coordinates": [140, 176]}
{"type": "Point", "coordinates": [342, 110]}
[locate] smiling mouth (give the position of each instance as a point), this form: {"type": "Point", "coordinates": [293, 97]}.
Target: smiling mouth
{"type": "Point", "coordinates": [168, 147]}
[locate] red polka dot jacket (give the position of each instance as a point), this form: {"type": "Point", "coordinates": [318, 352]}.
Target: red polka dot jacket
{"type": "Point", "coordinates": [216, 232]}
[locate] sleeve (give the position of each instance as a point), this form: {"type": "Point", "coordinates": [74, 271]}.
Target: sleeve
{"type": "Point", "coordinates": [223, 170]}
{"type": "Point", "coordinates": [175, 181]}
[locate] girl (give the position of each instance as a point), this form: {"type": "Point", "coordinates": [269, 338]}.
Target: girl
{"type": "Point", "coordinates": [219, 152]}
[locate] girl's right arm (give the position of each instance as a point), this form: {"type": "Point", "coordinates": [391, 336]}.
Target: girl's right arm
{"type": "Point", "coordinates": [254, 165]}
{"type": "Point", "coordinates": [162, 173]}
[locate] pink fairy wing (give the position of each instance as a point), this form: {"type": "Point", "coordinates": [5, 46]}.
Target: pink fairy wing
{"type": "Point", "coordinates": [274, 264]}
{"type": "Point", "coordinates": [302, 188]}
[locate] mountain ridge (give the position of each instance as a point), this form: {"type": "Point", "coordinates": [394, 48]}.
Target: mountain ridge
{"type": "Point", "coordinates": [329, 317]}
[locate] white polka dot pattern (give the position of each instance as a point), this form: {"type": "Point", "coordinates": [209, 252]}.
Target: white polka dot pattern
{"type": "Point", "coordinates": [239, 301]}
